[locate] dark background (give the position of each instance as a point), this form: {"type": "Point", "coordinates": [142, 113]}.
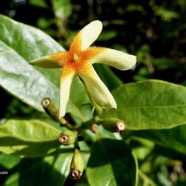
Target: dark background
{"type": "Point", "coordinates": [152, 30]}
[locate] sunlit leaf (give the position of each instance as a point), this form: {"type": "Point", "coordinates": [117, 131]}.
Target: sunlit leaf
{"type": "Point", "coordinates": [111, 162]}
{"type": "Point", "coordinates": [20, 43]}
{"type": "Point", "coordinates": [149, 104]}
{"type": "Point", "coordinates": [28, 138]}
{"type": "Point", "coordinates": [52, 170]}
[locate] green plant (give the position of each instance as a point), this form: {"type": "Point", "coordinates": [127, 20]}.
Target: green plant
{"type": "Point", "coordinates": [43, 150]}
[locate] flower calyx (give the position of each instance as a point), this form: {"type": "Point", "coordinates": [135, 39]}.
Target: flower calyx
{"type": "Point", "coordinates": [77, 166]}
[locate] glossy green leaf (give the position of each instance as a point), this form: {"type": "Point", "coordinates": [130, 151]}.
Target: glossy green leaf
{"type": "Point", "coordinates": [111, 162]}
{"type": "Point", "coordinates": [27, 43]}
{"type": "Point", "coordinates": [28, 138]}
{"type": "Point", "coordinates": [52, 170]}
{"type": "Point", "coordinates": [22, 80]}
{"type": "Point", "coordinates": [19, 44]}
{"type": "Point", "coordinates": [173, 139]}
{"type": "Point", "coordinates": [149, 104]}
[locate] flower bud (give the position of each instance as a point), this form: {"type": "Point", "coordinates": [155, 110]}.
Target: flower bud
{"type": "Point", "coordinates": [52, 110]}
{"type": "Point", "coordinates": [49, 107]}
{"type": "Point", "coordinates": [77, 166]}
{"type": "Point", "coordinates": [120, 126]}
{"type": "Point", "coordinates": [114, 125]}
{"type": "Point", "coordinates": [67, 137]}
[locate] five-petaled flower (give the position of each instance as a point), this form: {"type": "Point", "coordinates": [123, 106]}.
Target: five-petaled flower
{"type": "Point", "coordinates": [79, 60]}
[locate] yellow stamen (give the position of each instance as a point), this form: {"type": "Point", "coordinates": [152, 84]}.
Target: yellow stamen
{"type": "Point", "coordinates": [75, 57]}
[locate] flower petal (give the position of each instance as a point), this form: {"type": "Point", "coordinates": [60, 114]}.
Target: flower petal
{"type": "Point", "coordinates": [115, 58]}
{"type": "Point", "coordinates": [45, 62]}
{"type": "Point", "coordinates": [86, 36]}
{"type": "Point", "coordinates": [56, 60]}
{"type": "Point", "coordinates": [67, 77]}
{"type": "Point", "coordinates": [98, 91]}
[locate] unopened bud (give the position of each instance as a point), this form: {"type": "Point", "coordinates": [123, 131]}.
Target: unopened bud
{"type": "Point", "coordinates": [75, 174]}
{"type": "Point", "coordinates": [67, 137]}
{"type": "Point", "coordinates": [94, 127]}
{"type": "Point", "coordinates": [50, 107]}
{"type": "Point", "coordinates": [114, 125]}
{"type": "Point", "coordinates": [120, 126]}
{"type": "Point", "coordinates": [52, 110]}
{"type": "Point", "coordinates": [77, 165]}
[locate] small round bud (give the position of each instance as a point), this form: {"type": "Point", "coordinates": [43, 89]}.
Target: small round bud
{"type": "Point", "coordinates": [120, 126]}
{"type": "Point", "coordinates": [46, 102]}
{"type": "Point", "coordinates": [64, 139]}
{"type": "Point", "coordinates": [75, 174]}
{"type": "Point", "coordinates": [67, 137]}
{"type": "Point", "coordinates": [114, 125]}
{"type": "Point", "coordinates": [94, 127]}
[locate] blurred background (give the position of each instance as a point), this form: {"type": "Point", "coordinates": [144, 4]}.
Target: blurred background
{"type": "Point", "coordinates": [154, 31]}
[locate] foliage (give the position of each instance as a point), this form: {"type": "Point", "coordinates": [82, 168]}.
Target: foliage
{"type": "Point", "coordinates": [151, 151]}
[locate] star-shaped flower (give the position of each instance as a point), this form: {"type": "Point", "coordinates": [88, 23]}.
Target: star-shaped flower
{"type": "Point", "coordinates": [79, 61]}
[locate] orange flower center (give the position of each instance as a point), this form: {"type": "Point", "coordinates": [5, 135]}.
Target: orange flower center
{"type": "Point", "coordinates": [75, 57]}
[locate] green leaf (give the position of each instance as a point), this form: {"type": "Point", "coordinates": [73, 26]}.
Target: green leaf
{"type": "Point", "coordinates": [62, 9]}
{"type": "Point", "coordinates": [28, 138]}
{"type": "Point", "coordinates": [166, 15]}
{"type": "Point", "coordinates": [107, 35]}
{"type": "Point", "coordinates": [166, 63]}
{"type": "Point", "coordinates": [108, 77]}
{"type": "Point", "coordinates": [27, 43]}
{"type": "Point", "coordinates": [173, 139]}
{"type": "Point", "coordinates": [111, 162]}
{"type": "Point", "coordinates": [22, 80]}
{"type": "Point", "coordinates": [149, 104]}
{"type": "Point", "coordinates": [52, 170]}
{"type": "Point", "coordinates": [20, 43]}
{"type": "Point", "coordinates": [37, 3]}
{"type": "Point", "coordinates": [8, 161]}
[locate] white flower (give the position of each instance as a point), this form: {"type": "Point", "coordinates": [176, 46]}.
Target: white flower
{"type": "Point", "coordinates": [79, 60]}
